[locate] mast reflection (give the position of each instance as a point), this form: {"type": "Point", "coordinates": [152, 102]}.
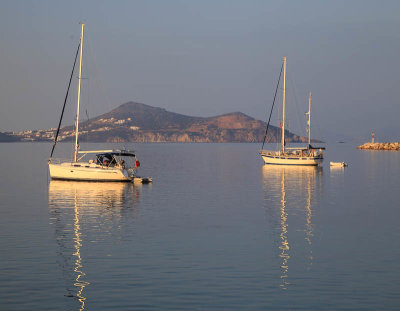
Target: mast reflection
{"type": "Point", "coordinates": [76, 210]}
{"type": "Point", "coordinates": [288, 189]}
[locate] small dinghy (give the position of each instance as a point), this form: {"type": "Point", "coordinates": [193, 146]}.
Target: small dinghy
{"type": "Point", "coordinates": [338, 164]}
{"type": "Point", "coordinates": [142, 180]}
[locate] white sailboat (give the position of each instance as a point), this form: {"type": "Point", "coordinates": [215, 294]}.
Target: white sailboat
{"type": "Point", "coordinates": [293, 156]}
{"type": "Point", "coordinates": [106, 165]}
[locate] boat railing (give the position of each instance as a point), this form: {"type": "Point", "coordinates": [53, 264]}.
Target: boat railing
{"type": "Point", "coordinates": [267, 152]}
{"type": "Point", "coordinates": [59, 160]}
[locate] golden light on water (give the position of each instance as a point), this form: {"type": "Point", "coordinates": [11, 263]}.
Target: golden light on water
{"type": "Point", "coordinates": [77, 207]}
{"type": "Point", "coordinates": [287, 189]}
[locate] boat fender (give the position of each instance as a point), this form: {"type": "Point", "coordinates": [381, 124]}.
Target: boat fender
{"type": "Point", "coordinates": [137, 163]}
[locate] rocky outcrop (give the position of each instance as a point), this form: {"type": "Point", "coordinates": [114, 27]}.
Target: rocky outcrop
{"type": "Point", "coordinates": [380, 146]}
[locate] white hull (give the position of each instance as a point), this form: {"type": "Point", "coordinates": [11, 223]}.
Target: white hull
{"type": "Point", "coordinates": [87, 171]}
{"type": "Point", "coordinates": [338, 164]}
{"type": "Point", "coordinates": [289, 159]}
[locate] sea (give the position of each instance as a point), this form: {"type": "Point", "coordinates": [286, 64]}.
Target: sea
{"type": "Point", "coordinates": [216, 230]}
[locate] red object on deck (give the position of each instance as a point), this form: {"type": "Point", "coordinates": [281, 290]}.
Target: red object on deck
{"type": "Point", "coordinates": [137, 163]}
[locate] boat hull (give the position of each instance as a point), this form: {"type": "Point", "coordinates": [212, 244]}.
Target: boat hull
{"type": "Point", "coordinates": [72, 171]}
{"type": "Point", "coordinates": [291, 160]}
{"type": "Point", "coordinates": [338, 164]}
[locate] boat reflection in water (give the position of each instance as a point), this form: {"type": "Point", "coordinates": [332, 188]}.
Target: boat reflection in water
{"type": "Point", "coordinates": [290, 195]}
{"type": "Point", "coordinates": [83, 213]}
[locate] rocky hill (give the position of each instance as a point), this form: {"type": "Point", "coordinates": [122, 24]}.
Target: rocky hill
{"type": "Point", "coordinates": [135, 122]}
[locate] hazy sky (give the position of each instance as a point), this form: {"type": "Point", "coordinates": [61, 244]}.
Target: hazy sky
{"type": "Point", "coordinates": [206, 58]}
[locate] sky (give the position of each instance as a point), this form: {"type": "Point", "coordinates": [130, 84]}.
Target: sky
{"type": "Point", "coordinates": [205, 58]}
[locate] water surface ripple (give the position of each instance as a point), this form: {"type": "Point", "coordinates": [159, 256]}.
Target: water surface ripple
{"type": "Point", "coordinates": [217, 230]}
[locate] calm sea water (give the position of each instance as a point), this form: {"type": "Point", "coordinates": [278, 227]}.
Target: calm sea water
{"type": "Point", "coordinates": [216, 230]}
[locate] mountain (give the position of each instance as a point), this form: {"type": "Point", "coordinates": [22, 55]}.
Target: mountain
{"type": "Point", "coordinates": [136, 122]}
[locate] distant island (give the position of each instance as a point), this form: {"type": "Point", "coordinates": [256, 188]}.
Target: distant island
{"type": "Point", "coordinates": [380, 146]}
{"type": "Point", "coordinates": [136, 122]}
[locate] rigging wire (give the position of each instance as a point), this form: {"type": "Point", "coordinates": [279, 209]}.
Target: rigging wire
{"type": "Point", "coordinates": [301, 129]}
{"type": "Point", "coordinates": [87, 127]}
{"type": "Point", "coordinates": [278, 132]}
{"type": "Point", "coordinates": [273, 103]}
{"type": "Point", "coordinates": [97, 80]}
{"type": "Point", "coordinates": [85, 97]}
{"type": "Point", "coordinates": [316, 124]}
{"type": "Point", "coordinates": [65, 101]}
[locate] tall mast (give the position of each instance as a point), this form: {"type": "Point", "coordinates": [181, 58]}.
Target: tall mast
{"type": "Point", "coordinates": [309, 119]}
{"type": "Point", "coordinates": [283, 104]}
{"type": "Point", "coordinates": [79, 97]}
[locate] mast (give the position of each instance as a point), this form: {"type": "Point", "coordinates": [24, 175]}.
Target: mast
{"type": "Point", "coordinates": [283, 104]}
{"type": "Point", "coordinates": [309, 119]}
{"type": "Point", "coordinates": [79, 97]}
